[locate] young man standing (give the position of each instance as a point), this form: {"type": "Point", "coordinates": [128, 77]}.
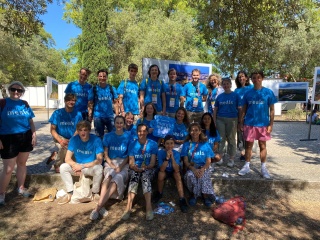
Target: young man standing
{"type": "Point", "coordinates": [100, 107]}
{"type": "Point", "coordinates": [173, 92]}
{"type": "Point", "coordinates": [81, 89]}
{"type": "Point", "coordinates": [257, 121]}
{"type": "Point", "coordinates": [195, 93]}
{"type": "Point", "coordinates": [63, 127]}
{"type": "Point", "coordinates": [87, 150]}
{"type": "Point", "coordinates": [128, 92]}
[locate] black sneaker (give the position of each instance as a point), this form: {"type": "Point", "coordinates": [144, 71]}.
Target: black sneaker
{"type": "Point", "coordinates": [242, 158]}
{"type": "Point", "coordinates": [157, 196]}
{"type": "Point", "coordinates": [183, 205]}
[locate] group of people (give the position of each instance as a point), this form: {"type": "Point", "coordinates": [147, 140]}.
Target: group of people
{"type": "Point", "coordinates": [206, 117]}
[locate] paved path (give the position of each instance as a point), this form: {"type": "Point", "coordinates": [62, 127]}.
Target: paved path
{"type": "Point", "coordinates": [288, 157]}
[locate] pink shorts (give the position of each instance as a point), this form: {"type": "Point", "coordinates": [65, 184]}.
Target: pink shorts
{"type": "Point", "coordinates": [251, 133]}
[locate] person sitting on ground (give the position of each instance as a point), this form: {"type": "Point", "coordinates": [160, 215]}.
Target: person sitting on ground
{"type": "Point", "coordinates": [209, 129]}
{"type": "Point", "coordinates": [17, 138]}
{"type": "Point", "coordinates": [116, 167]}
{"type": "Point", "coordinates": [63, 127]}
{"type": "Point", "coordinates": [87, 150]}
{"type": "Point", "coordinates": [314, 116]}
{"type": "Point", "coordinates": [169, 165]}
{"type": "Point", "coordinates": [197, 154]}
{"type": "Point", "coordinates": [142, 158]}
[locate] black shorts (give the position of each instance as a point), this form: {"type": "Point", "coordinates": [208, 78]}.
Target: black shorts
{"type": "Point", "coordinates": [13, 144]}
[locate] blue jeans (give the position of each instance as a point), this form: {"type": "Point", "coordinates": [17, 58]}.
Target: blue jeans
{"type": "Point", "coordinates": [101, 123]}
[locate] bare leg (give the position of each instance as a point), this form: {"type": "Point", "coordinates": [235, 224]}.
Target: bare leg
{"type": "Point", "coordinates": [131, 196]}
{"type": "Point", "coordinates": [161, 177]}
{"type": "Point", "coordinates": [177, 177]}
{"type": "Point", "coordinates": [22, 168]}
{"type": "Point", "coordinates": [103, 192]}
{"type": "Point", "coordinates": [8, 167]}
{"type": "Point", "coordinates": [248, 152]}
{"type": "Point", "coordinates": [147, 196]}
{"type": "Point", "coordinates": [263, 151]}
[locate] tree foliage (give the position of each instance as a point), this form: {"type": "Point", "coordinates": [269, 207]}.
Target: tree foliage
{"type": "Point", "coordinates": [21, 17]}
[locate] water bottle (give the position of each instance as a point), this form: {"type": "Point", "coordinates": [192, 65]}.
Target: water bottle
{"type": "Point", "coordinates": [239, 221]}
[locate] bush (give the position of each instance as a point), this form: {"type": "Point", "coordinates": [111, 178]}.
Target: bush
{"type": "Point", "coordinates": [295, 114]}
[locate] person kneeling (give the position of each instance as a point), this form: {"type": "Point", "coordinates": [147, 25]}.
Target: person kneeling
{"type": "Point", "coordinates": [88, 153]}
{"type": "Point", "coordinates": [169, 164]}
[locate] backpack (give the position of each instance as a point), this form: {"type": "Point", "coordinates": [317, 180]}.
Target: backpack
{"type": "Point", "coordinates": [232, 212]}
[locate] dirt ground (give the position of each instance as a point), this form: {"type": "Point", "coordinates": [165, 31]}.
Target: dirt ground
{"type": "Point", "coordinates": [280, 213]}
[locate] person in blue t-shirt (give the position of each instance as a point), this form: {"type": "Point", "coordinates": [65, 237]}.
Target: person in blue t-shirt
{"type": "Point", "coordinates": [227, 109]}
{"type": "Point", "coordinates": [87, 150]}
{"type": "Point", "coordinates": [194, 94]}
{"type": "Point", "coordinates": [213, 136]}
{"type": "Point", "coordinates": [115, 168]}
{"type": "Point", "coordinates": [81, 89]}
{"type": "Point", "coordinates": [63, 127]}
{"type": "Point", "coordinates": [243, 85]}
{"type": "Point", "coordinates": [173, 91]}
{"type": "Point", "coordinates": [169, 165]}
{"type": "Point", "coordinates": [197, 154]}
{"type": "Point", "coordinates": [142, 158]}
{"type": "Point", "coordinates": [17, 138]}
{"type": "Point", "coordinates": [128, 92]}
{"type": "Point", "coordinates": [152, 90]}
{"type": "Point", "coordinates": [257, 121]}
{"type": "Point", "coordinates": [102, 97]}
{"type": "Point", "coordinates": [212, 84]}
{"type": "Point", "coordinates": [148, 114]}
{"type": "Point", "coordinates": [130, 127]}
{"type": "Point", "coordinates": [180, 130]}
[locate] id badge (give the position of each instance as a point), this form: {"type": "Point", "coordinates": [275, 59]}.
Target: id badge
{"type": "Point", "coordinates": [195, 102]}
{"type": "Point", "coordinates": [212, 104]}
{"type": "Point", "coordinates": [154, 98]}
{"type": "Point", "coordinates": [172, 102]}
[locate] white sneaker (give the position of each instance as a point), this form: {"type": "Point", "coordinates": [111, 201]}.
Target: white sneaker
{"type": "Point", "coordinates": [265, 173]}
{"type": "Point", "coordinates": [103, 212]}
{"type": "Point", "coordinates": [2, 197]}
{"type": "Point", "coordinates": [220, 162]}
{"type": "Point", "coordinates": [230, 163]}
{"type": "Point", "coordinates": [244, 170]}
{"type": "Point", "coordinates": [212, 167]}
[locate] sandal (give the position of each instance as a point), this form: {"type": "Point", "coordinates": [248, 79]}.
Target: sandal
{"type": "Point", "coordinates": [52, 157]}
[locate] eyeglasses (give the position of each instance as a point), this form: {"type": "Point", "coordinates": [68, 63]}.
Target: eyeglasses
{"type": "Point", "coordinates": [16, 89]}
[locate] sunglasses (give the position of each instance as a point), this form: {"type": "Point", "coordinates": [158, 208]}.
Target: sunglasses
{"type": "Point", "coordinates": [16, 89]}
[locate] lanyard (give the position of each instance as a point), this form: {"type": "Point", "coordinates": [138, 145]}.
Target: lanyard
{"type": "Point", "coordinates": [193, 152]}
{"type": "Point", "coordinates": [173, 89]}
{"type": "Point", "coordinates": [198, 89]}
{"type": "Point", "coordinates": [143, 151]}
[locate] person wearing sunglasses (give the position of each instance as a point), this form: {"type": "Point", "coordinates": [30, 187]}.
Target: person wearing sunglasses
{"type": "Point", "coordinates": [17, 138]}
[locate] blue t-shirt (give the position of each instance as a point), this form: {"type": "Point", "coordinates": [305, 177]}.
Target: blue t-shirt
{"type": "Point", "coordinates": [65, 122]}
{"type": "Point", "coordinates": [228, 104]}
{"type": "Point", "coordinates": [173, 93]}
{"type": "Point", "coordinates": [211, 99]}
{"type": "Point", "coordinates": [211, 139]}
{"type": "Point", "coordinates": [241, 91]}
{"type": "Point", "coordinates": [130, 91]}
{"type": "Point", "coordinates": [136, 151]}
{"type": "Point", "coordinates": [162, 154]}
{"type": "Point", "coordinates": [151, 88]}
{"type": "Point", "coordinates": [258, 103]}
{"type": "Point", "coordinates": [150, 125]}
{"type": "Point", "coordinates": [193, 95]}
{"type": "Point", "coordinates": [81, 91]}
{"type": "Point", "coordinates": [132, 132]}
{"type": "Point", "coordinates": [202, 152]}
{"type": "Point", "coordinates": [85, 152]}
{"type": "Point", "coordinates": [15, 117]}
{"type": "Point", "coordinates": [103, 100]}
{"type": "Point", "coordinates": [117, 144]}
{"type": "Point", "coordinates": [180, 131]}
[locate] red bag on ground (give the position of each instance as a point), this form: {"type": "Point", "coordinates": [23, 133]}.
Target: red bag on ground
{"type": "Point", "coordinates": [231, 212]}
